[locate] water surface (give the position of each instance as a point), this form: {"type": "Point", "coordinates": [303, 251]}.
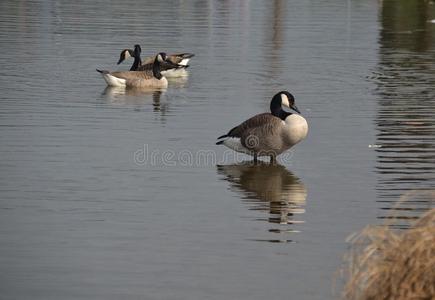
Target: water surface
{"type": "Point", "coordinates": [108, 193]}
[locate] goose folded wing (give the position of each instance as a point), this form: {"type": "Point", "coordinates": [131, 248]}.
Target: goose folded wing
{"type": "Point", "coordinates": [257, 123]}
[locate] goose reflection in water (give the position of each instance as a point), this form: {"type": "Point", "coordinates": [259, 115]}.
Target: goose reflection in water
{"type": "Point", "coordinates": [268, 187]}
{"type": "Point", "coordinates": [179, 82]}
{"type": "Point", "coordinates": [135, 96]}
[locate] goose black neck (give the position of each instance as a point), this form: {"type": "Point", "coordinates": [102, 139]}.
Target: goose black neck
{"type": "Point", "coordinates": [156, 69]}
{"type": "Point", "coordinates": [276, 109]}
{"type": "Point", "coordinates": [137, 63]}
{"type": "Point", "coordinates": [280, 113]}
{"type": "Point", "coordinates": [283, 114]}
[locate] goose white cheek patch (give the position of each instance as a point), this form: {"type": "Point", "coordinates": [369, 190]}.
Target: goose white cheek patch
{"type": "Point", "coordinates": [284, 100]}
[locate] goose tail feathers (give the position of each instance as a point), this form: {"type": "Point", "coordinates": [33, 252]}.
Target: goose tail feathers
{"type": "Point", "coordinates": [103, 71]}
{"type": "Point", "coordinates": [187, 55]}
{"type": "Point", "coordinates": [224, 137]}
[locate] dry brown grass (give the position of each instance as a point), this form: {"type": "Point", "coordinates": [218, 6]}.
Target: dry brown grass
{"type": "Point", "coordinates": [387, 264]}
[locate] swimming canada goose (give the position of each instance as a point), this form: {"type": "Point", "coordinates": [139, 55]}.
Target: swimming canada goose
{"type": "Point", "coordinates": [179, 58]}
{"type": "Point", "coordinates": [138, 79]}
{"type": "Point", "coordinates": [268, 134]}
{"type": "Point", "coordinates": [176, 69]}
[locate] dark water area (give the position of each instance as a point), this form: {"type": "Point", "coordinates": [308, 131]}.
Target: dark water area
{"type": "Point", "coordinates": [405, 119]}
{"type": "Point", "coordinates": [112, 193]}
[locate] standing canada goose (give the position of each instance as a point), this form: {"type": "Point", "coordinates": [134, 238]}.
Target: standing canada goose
{"type": "Point", "coordinates": [268, 134]}
{"type": "Point", "coordinates": [176, 69]}
{"type": "Point", "coordinates": [140, 79]}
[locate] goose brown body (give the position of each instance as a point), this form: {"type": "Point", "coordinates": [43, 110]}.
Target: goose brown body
{"type": "Point", "coordinates": [266, 134]}
{"type": "Point", "coordinates": [138, 79]}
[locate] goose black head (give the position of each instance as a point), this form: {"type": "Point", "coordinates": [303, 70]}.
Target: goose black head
{"type": "Point", "coordinates": [281, 101]}
{"type": "Point", "coordinates": [137, 49]}
{"type": "Point", "coordinates": [126, 53]}
{"type": "Point", "coordinates": [161, 57]}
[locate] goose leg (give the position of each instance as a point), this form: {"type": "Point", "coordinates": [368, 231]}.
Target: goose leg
{"type": "Point", "coordinates": [255, 158]}
{"type": "Point", "coordinates": [272, 159]}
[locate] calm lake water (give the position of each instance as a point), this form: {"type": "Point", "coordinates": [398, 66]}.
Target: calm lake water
{"type": "Point", "coordinates": [122, 194]}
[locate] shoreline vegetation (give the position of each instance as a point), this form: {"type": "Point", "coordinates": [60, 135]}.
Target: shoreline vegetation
{"type": "Point", "coordinates": [384, 263]}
